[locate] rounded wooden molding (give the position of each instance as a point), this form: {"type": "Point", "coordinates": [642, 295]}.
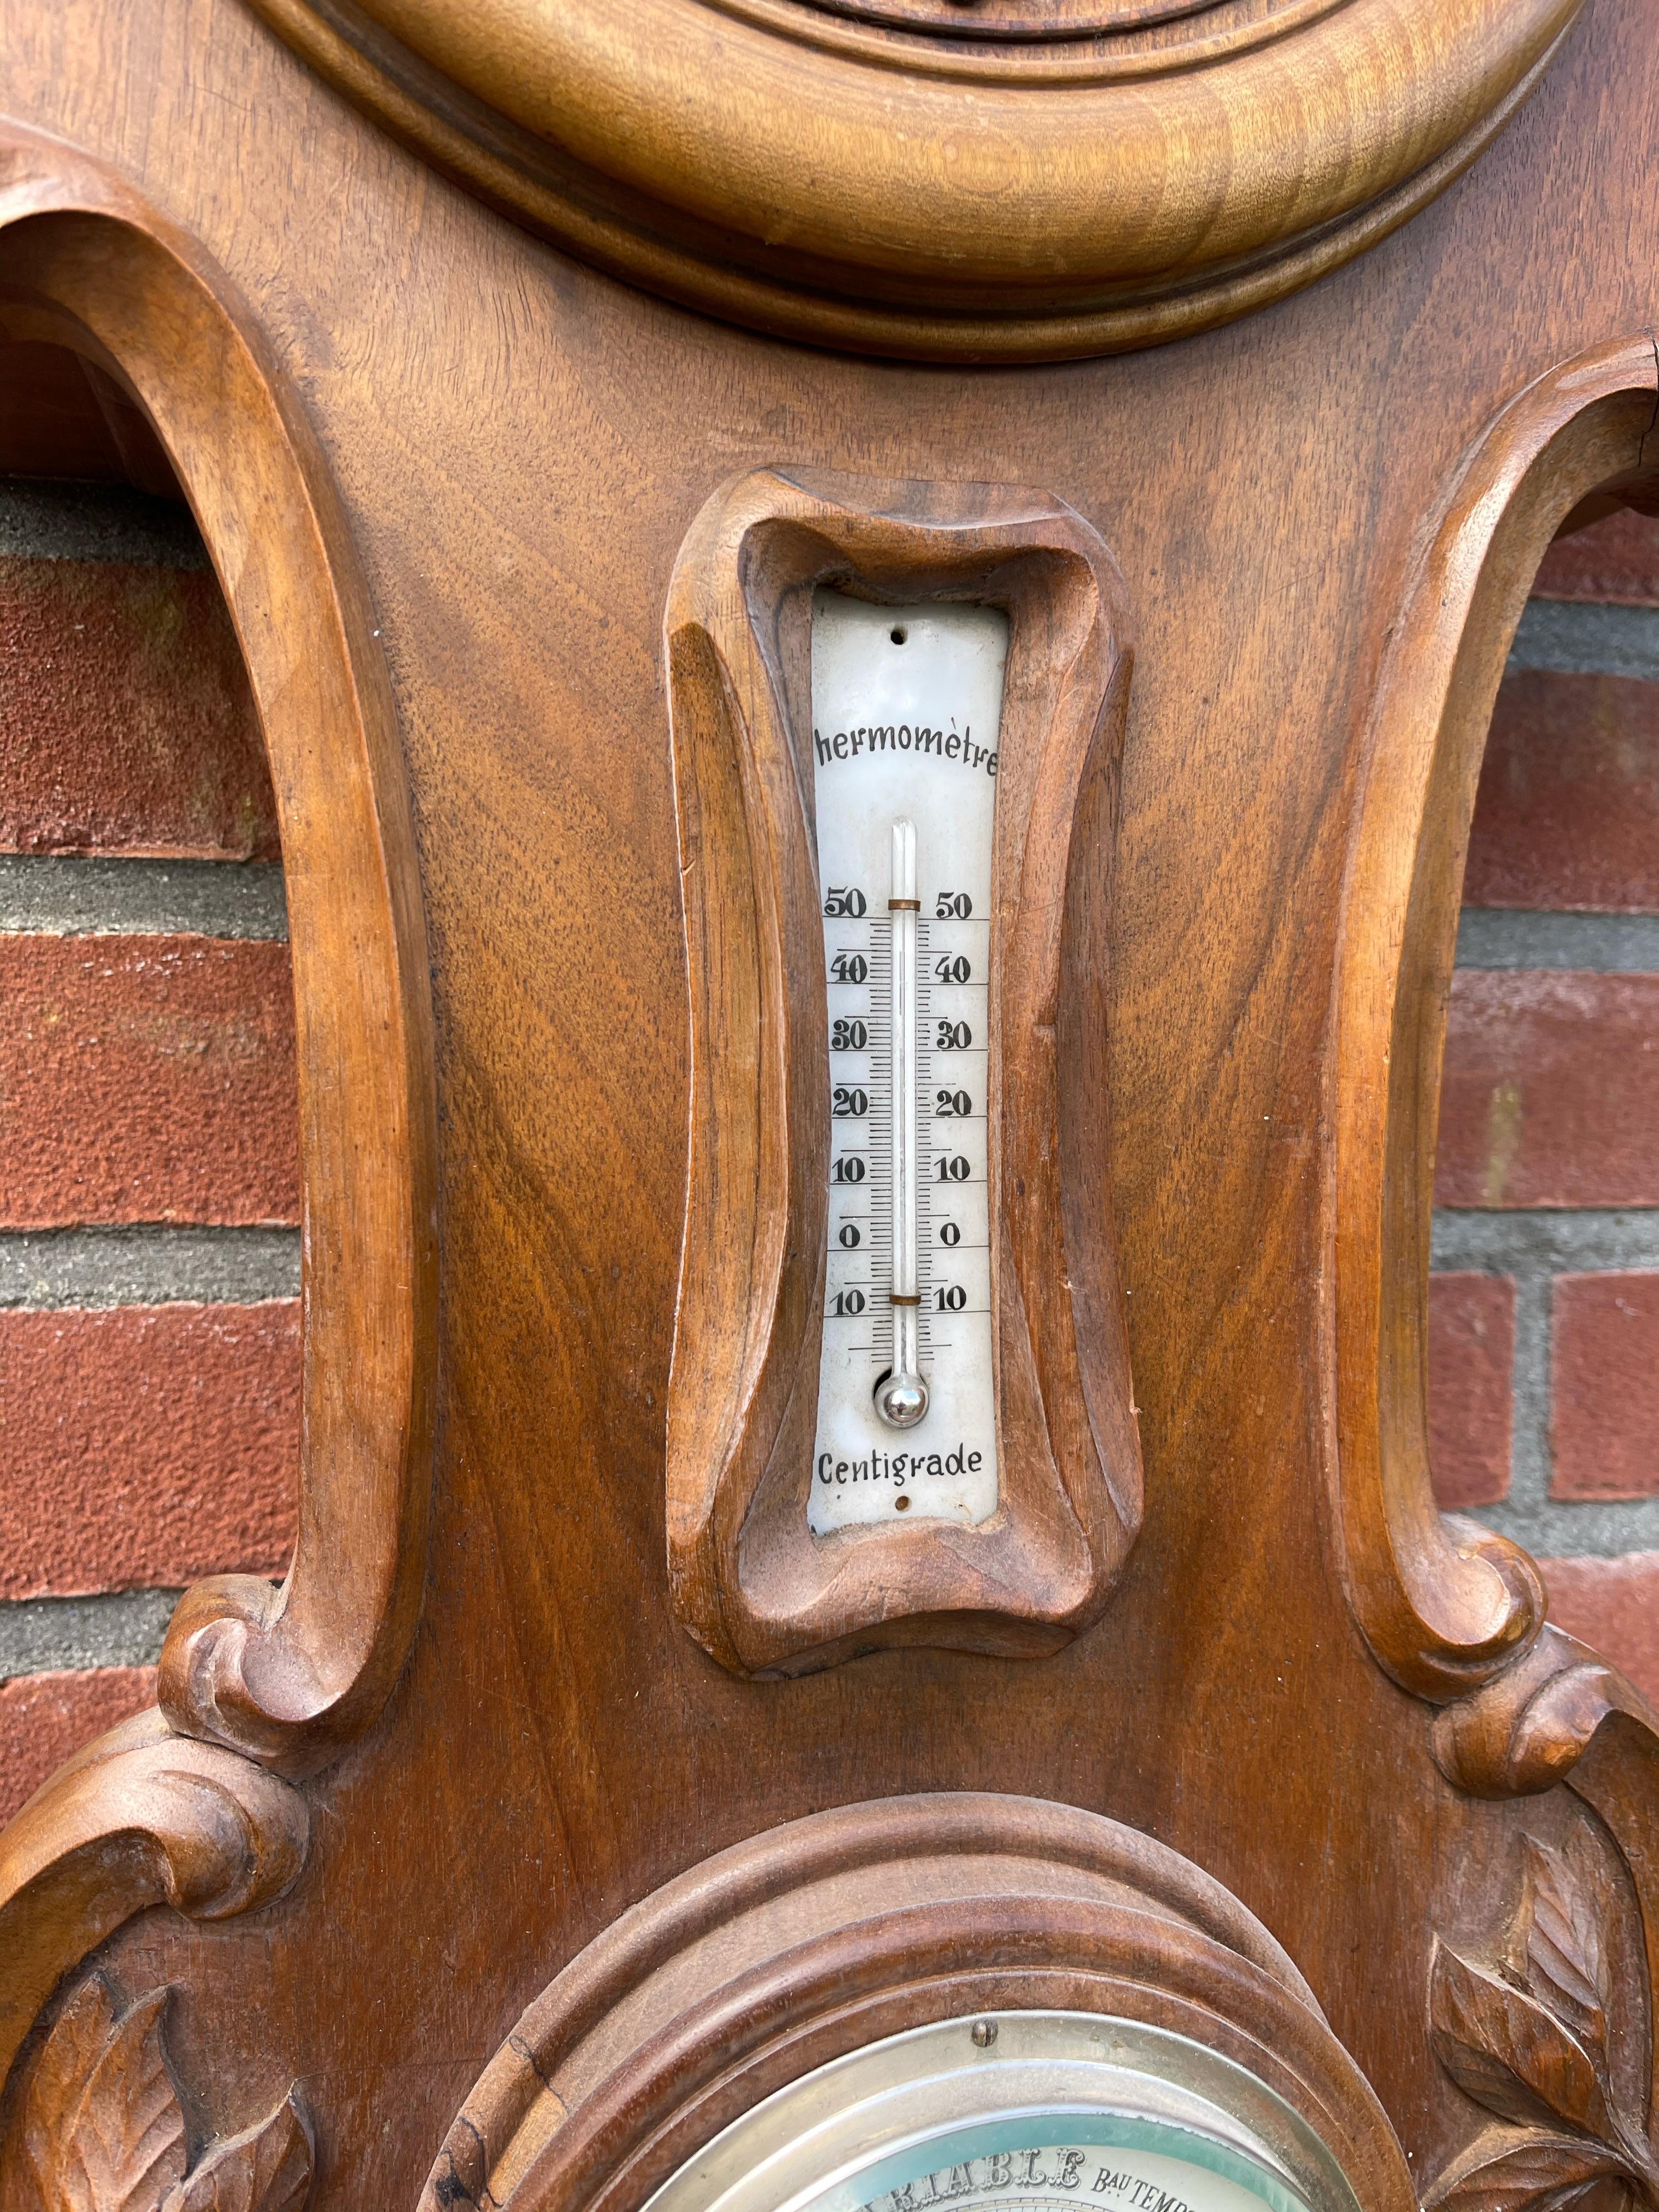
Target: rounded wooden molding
{"type": "Point", "coordinates": [810, 1942]}
{"type": "Point", "coordinates": [1092, 176]}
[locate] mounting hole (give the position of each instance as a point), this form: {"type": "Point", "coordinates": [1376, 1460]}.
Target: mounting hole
{"type": "Point", "coordinates": [898, 634]}
{"type": "Point", "coordinates": [901, 1503]}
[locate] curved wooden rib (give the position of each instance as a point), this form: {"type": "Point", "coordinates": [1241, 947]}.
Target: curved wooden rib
{"type": "Point", "coordinates": [749, 1581]}
{"type": "Point", "coordinates": [1100, 196]}
{"type": "Point", "coordinates": [1441, 1610]}
{"type": "Point", "coordinates": [142, 1817]}
{"type": "Point", "coordinates": [288, 1675]}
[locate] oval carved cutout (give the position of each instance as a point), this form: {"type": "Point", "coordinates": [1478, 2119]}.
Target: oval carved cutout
{"type": "Point", "coordinates": [287, 1674]}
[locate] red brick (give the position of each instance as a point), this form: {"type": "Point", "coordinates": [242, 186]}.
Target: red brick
{"type": "Point", "coordinates": [127, 723]}
{"type": "Point", "coordinates": [1612, 1605]}
{"type": "Point", "coordinates": [147, 1079]}
{"type": "Point", "coordinates": [1551, 1091]}
{"type": "Point", "coordinates": [1604, 1389]}
{"type": "Point", "coordinates": [144, 1446]}
{"type": "Point", "coordinates": [1471, 1363]}
{"type": "Point", "coordinates": [1616, 561]}
{"type": "Point", "coordinates": [44, 1717]}
{"type": "Point", "coordinates": [1567, 815]}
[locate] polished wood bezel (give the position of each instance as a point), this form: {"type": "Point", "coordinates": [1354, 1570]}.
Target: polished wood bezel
{"type": "Point", "coordinates": [876, 188]}
{"type": "Point", "coordinates": [827, 1934]}
{"type": "Point", "coordinates": [750, 1580]}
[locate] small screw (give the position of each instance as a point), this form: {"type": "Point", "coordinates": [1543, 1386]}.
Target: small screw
{"type": "Point", "coordinates": [984, 2033]}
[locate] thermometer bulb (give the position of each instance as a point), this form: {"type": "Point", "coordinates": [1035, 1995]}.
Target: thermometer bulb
{"type": "Point", "coordinates": [901, 1394]}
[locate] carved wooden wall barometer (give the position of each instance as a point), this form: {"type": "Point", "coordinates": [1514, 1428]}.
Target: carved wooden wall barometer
{"type": "Point", "coordinates": [873, 854]}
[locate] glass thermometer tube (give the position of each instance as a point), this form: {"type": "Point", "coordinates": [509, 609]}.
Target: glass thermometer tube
{"type": "Point", "coordinates": [902, 1397]}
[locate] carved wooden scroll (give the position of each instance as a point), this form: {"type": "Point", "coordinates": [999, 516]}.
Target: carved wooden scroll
{"type": "Point", "coordinates": [749, 1581]}
{"type": "Point", "coordinates": [1548, 2034]}
{"type": "Point", "coordinates": [831, 1932]}
{"type": "Point", "coordinates": [1549, 2028]}
{"type": "Point", "coordinates": [1442, 1611]}
{"type": "Point", "coordinates": [287, 1675]}
{"type": "Point", "coordinates": [1014, 182]}
{"type": "Point", "coordinates": [142, 1817]}
{"type": "Point", "coordinates": [1560, 1714]}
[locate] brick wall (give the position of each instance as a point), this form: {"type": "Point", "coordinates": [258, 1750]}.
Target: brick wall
{"type": "Point", "coordinates": [148, 1170]}
{"type": "Point", "coordinates": [1544, 1309]}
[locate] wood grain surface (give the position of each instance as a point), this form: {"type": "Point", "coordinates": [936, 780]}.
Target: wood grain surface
{"type": "Point", "coordinates": [519, 445]}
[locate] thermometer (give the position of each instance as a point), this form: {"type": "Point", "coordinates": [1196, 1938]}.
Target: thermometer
{"type": "Point", "coordinates": [906, 706]}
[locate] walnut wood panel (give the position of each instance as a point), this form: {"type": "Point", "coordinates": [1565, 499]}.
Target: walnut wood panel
{"type": "Point", "coordinates": [801, 1945]}
{"type": "Point", "coordinates": [520, 445]}
{"type": "Point", "coordinates": [1440, 1609]}
{"type": "Point", "coordinates": [753, 1584]}
{"type": "Point", "coordinates": [289, 1674]}
{"type": "Point", "coordinates": [1150, 180]}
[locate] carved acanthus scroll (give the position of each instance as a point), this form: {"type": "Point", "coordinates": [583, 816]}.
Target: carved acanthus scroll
{"type": "Point", "coordinates": [1529, 2036]}
{"type": "Point", "coordinates": [104, 2130]}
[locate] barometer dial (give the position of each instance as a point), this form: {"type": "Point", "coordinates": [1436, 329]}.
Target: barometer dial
{"type": "Point", "coordinates": [1049, 2162]}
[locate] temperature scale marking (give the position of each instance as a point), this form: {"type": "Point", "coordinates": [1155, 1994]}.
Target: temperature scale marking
{"type": "Point", "coordinates": [906, 703]}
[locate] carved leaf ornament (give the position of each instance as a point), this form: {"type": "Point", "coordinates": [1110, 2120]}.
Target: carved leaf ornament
{"type": "Point", "coordinates": [1528, 2037]}
{"type": "Point", "coordinates": [105, 2132]}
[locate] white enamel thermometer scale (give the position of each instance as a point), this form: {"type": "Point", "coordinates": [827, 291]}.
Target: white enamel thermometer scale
{"type": "Point", "coordinates": [906, 707]}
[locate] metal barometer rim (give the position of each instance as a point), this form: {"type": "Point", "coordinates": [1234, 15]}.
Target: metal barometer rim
{"type": "Point", "coordinates": [870, 2121]}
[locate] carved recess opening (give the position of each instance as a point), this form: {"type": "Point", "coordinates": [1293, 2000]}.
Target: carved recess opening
{"type": "Point", "coordinates": [1444, 1605]}
{"type": "Point", "coordinates": [286, 1675]}
{"type": "Point", "coordinates": [750, 1580]}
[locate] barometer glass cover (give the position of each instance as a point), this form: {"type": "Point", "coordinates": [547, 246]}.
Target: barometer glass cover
{"type": "Point", "coordinates": [1020, 2112]}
